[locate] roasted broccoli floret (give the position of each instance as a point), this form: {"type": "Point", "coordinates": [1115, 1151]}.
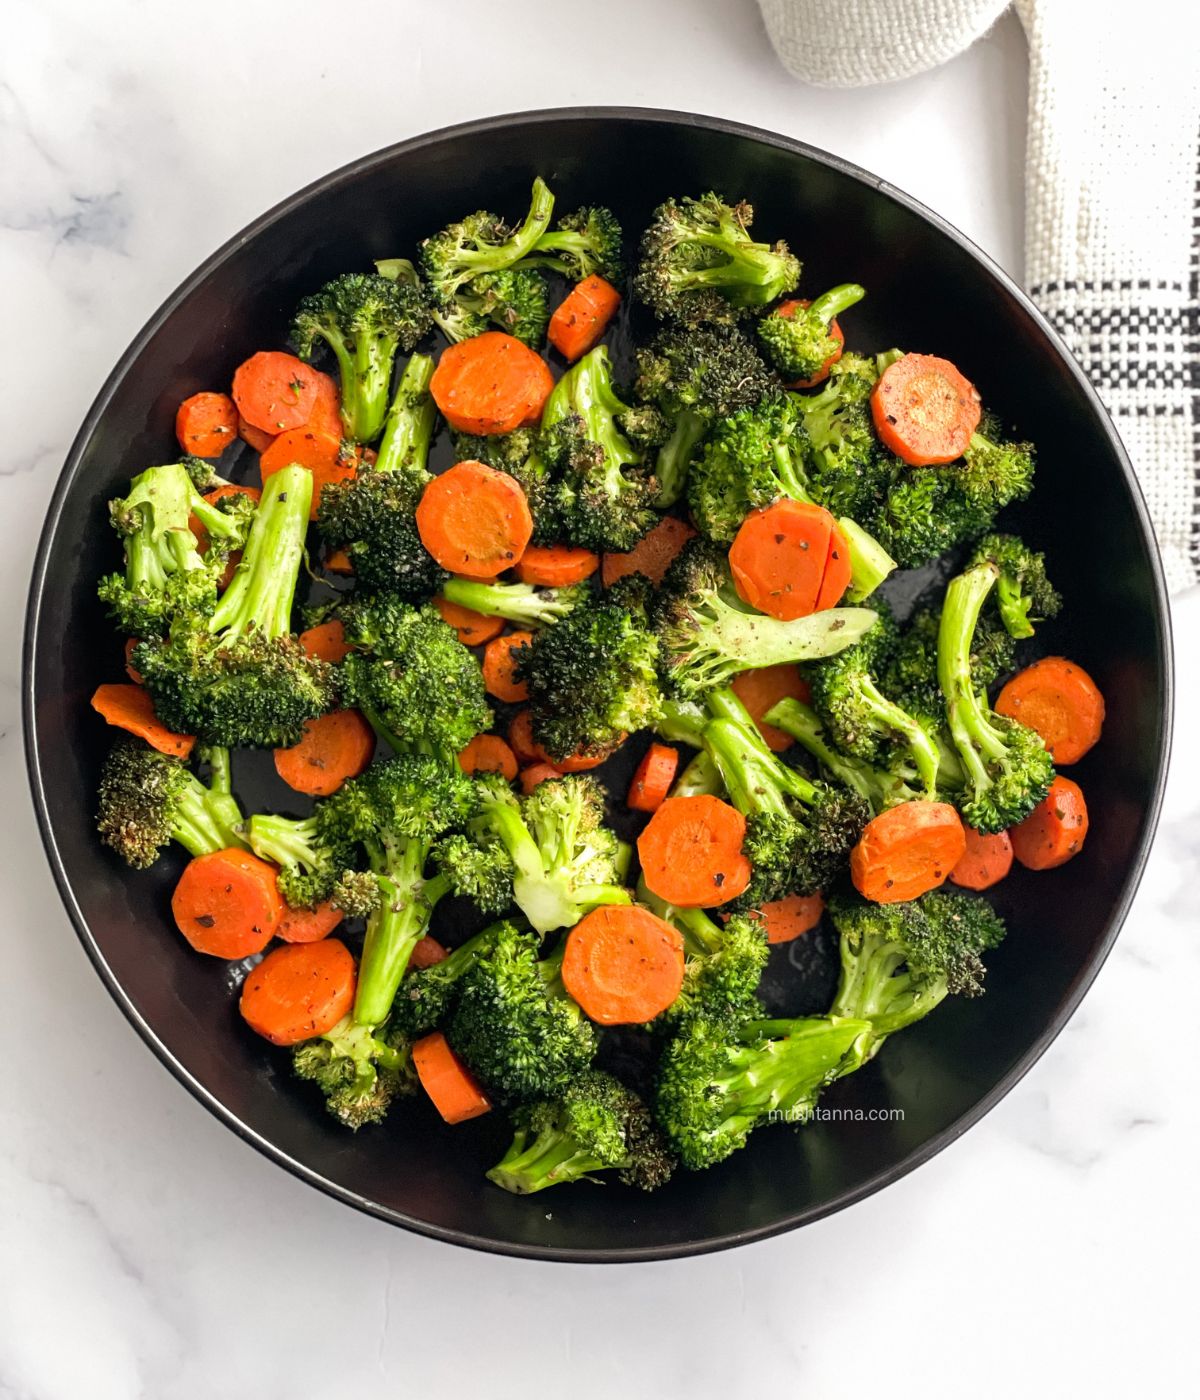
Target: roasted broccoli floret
{"type": "Point", "coordinates": [596, 1124]}
{"type": "Point", "coordinates": [706, 634]}
{"type": "Point", "coordinates": [801, 344]}
{"type": "Point", "coordinates": [849, 470]}
{"type": "Point", "coordinates": [507, 452]}
{"type": "Point", "coordinates": [514, 1023]}
{"type": "Point", "coordinates": [365, 319]}
{"type": "Point", "coordinates": [239, 677]}
{"type": "Point", "coordinates": [586, 243]}
{"type": "Point", "coordinates": [910, 671]}
{"type": "Point", "coordinates": [148, 799]}
{"type": "Point", "coordinates": [522, 603]}
{"type": "Point", "coordinates": [427, 994]}
{"type": "Point", "coordinates": [1024, 594]}
{"type": "Point", "coordinates": [699, 264]}
{"type": "Point", "coordinates": [359, 1071]}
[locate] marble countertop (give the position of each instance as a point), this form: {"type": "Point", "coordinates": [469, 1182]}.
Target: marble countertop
{"type": "Point", "coordinates": [146, 1251]}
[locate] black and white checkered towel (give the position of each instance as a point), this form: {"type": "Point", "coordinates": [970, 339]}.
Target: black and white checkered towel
{"type": "Point", "coordinates": [1112, 219]}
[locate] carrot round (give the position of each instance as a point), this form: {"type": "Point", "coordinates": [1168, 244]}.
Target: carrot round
{"type": "Point", "coordinates": [906, 851]}
{"type": "Point", "coordinates": [488, 753]}
{"type": "Point", "coordinates": [309, 925]}
{"type": "Point", "coordinates": [500, 668]}
{"type": "Point", "coordinates": [309, 447]}
{"type": "Point", "coordinates": [788, 309]}
{"type": "Point", "coordinates": [474, 520]}
{"type": "Point", "coordinates": [275, 391]}
{"type": "Point", "coordinates": [227, 904]}
{"type": "Point", "coordinates": [556, 565]}
{"type": "Point", "coordinates": [206, 424]}
{"type": "Point", "coordinates": [761, 689]}
{"type": "Point", "coordinates": [129, 707]}
{"type": "Point", "coordinates": [473, 628]}
{"type": "Point", "coordinates": [130, 671]}
{"type": "Point", "coordinates": [333, 748]}
{"type": "Point", "coordinates": [490, 384]}
{"type": "Point", "coordinates": [252, 436]}
{"type": "Point", "coordinates": [924, 410]}
{"type": "Point", "coordinates": [337, 561]}
{"type": "Point", "coordinates": [327, 642]}
{"type": "Point", "coordinates": [326, 415]}
{"type": "Point", "coordinates": [1055, 830]}
{"type": "Point", "coordinates": [836, 578]}
{"type": "Point", "coordinates": [653, 778]}
{"type": "Point", "coordinates": [299, 991]}
{"type": "Point", "coordinates": [778, 558]}
{"type": "Point", "coordinates": [789, 918]}
{"type": "Point", "coordinates": [691, 852]}
{"type": "Point", "coordinates": [582, 317]}
{"type": "Point", "coordinates": [986, 861]}
{"type": "Point", "coordinates": [623, 965]}
{"type": "Point", "coordinates": [537, 773]}
{"type": "Point", "coordinates": [1061, 702]}
{"type": "Point", "coordinates": [427, 952]}
{"type": "Point", "coordinates": [452, 1088]}
{"type": "Point", "coordinates": [652, 555]}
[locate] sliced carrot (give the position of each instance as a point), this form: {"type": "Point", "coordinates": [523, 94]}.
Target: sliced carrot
{"type": "Point", "coordinates": [536, 774]}
{"type": "Point", "coordinates": [556, 565]}
{"type": "Point", "coordinates": [500, 668]}
{"type": "Point", "coordinates": [473, 628]}
{"type": "Point", "coordinates": [778, 558]}
{"type": "Point", "coordinates": [761, 689]}
{"type": "Point", "coordinates": [474, 520]}
{"type": "Point", "coordinates": [490, 384]}
{"type": "Point", "coordinates": [299, 991]}
{"type": "Point", "coordinates": [579, 762]}
{"type": "Point", "coordinates": [1055, 830]}
{"type": "Point", "coordinates": [252, 436]}
{"type": "Point", "coordinates": [583, 316]}
{"type": "Point", "coordinates": [455, 1092]}
{"type": "Point", "coordinates": [789, 918]}
{"type": "Point", "coordinates": [488, 753]}
{"type": "Point", "coordinates": [623, 965]}
{"type": "Point", "coordinates": [986, 861]}
{"type": "Point", "coordinates": [691, 852]}
{"type": "Point", "coordinates": [1061, 702]}
{"type": "Point", "coordinates": [333, 749]}
{"type": "Point", "coordinates": [924, 410]}
{"type": "Point", "coordinates": [320, 452]}
{"type": "Point", "coordinates": [309, 925]}
{"type": "Point", "coordinates": [327, 642]}
{"type": "Point", "coordinates": [275, 391]}
{"type": "Point", "coordinates": [652, 555]}
{"type": "Point", "coordinates": [788, 309]}
{"type": "Point", "coordinates": [134, 676]}
{"type": "Point", "coordinates": [528, 750]}
{"type": "Point", "coordinates": [206, 424]}
{"type": "Point", "coordinates": [427, 952]}
{"type": "Point", "coordinates": [227, 904]}
{"type": "Point", "coordinates": [907, 850]}
{"type": "Point", "coordinates": [326, 415]}
{"type": "Point", "coordinates": [129, 707]}
{"type": "Point", "coordinates": [653, 778]}
{"type": "Point", "coordinates": [337, 561]}
{"type": "Point", "coordinates": [836, 578]}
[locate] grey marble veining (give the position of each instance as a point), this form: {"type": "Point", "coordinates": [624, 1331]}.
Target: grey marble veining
{"type": "Point", "coordinates": [146, 1252]}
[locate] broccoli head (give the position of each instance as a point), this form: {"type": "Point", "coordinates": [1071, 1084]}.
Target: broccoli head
{"type": "Point", "coordinates": [1024, 593]}
{"type": "Point", "coordinates": [358, 1070]}
{"type": "Point", "coordinates": [801, 343]}
{"type": "Point", "coordinates": [586, 243]}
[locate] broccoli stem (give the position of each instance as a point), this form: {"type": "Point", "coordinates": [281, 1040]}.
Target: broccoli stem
{"type": "Point", "coordinates": [873, 988]}
{"type": "Point", "coordinates": [675, 455]}
{"type": "Point", "coordinates": [699, 779]}
{"type": "Point", "coordinates": [749, 640]}
{"type": "Point", "coordinates": [408, 427]}
{"type": "Point", "coordinates": [785, 1073]}
{"type": "Point", "coordinates": [756, 780]}
{"type": "Point", "coordinates": [832, 303]}
{"type": "Point", "coordinates": [894, 720]}
{"type": "Point", "coordinates": [263, 589]}
{"type": "Point", "coordinates": [802, 723]}
{"type": "Point", "coordinates": [200, 825]}
{"type": "Point", "coordinates": [975, 738]}
{"type": "Point", "coordinates": [516, 602]}
{"type": "Point", "coordinates": [221, 800]}
{"type": "Point", "coordinates": [395, 927]}
{"type": "Point", "coordinates": [548, 1158]}
{"type": "Point", "coordinates": [283, 840]}
{"type": "Point", "coordinates": [681, 722]}
{"type": "Point", "coordinates": [870, 563]}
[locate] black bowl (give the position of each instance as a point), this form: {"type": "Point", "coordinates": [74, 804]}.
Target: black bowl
{"type": "Point", "coordinates": [929, 290]}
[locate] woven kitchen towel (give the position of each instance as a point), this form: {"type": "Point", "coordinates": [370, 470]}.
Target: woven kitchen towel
{"type": "Point", "coordinates": [1112, 210]}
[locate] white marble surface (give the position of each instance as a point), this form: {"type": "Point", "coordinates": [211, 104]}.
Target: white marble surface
{"type": "Point", "coordinates": [144, 1251]}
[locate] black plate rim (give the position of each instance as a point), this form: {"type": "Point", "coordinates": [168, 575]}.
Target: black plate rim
{"type": "Point", "coordinates": [711, 1243]}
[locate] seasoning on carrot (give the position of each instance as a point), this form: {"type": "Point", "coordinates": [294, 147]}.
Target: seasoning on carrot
{"type": "Point", "coordinates": [473, 628]}
{"type": "Point", "coordinates": [327, 642]}
{"type": "Point", "coordinates": [488, 753]}
{"type": "Point", "coordinates": [535, 774]}
{"type": "Point", "coordinates": [778, 558]}
{"type": "Point", "coordinates": [583, 316]}
{"type": "Point", "coordinates": [652, 555]}
{"type": "Point", "coordinates": [924, 410]}
{"type": "Point", "coordinates": [453, 1089]}
{"type": "Point", "coordinates": [986, 861]}
{"type": "Point", "coordinates": [227, 904]}
{"type": "Point", "coordinates": [129, 707]}
{"type": "Point", "coordinates": [334, 748]}
{"type": "Point", "coordinates": [299, 991]}
{"type": "Point", "coordinates": [499, 668]}
{"type": "Point", "coordinates": [320, 452]}
{"type": "Point", "coordinates": [474, 520]}
{"type": "Point", "coordinates": [762, 689]}
{"type": "Point", "coordinates": [206, 424]}
{"type": "Point", "coordinates": [653, 778]}
{"type": "Point", "coordinates": [427, 952]}
{"type": "Point", "coordinates": [556, 565]}
{"type": "Point", "coordinates": [789, 918]}
{"type": "Point", "coordinates": [275, 391]}
{"type": "Point", "coordinates": [623, 965]}
{"type": "Point", "coordinates": [1061, 702]}
{"type": "Point", "coordinates": [691, 852]}
{"type": "Point", "coordinates": [1055, 830]}
{"type": "Point", "coordinates": [490, 384]}
{"type": "Point", "coordinates": [253, 437]}
{"type": "Point", "coordinates": [309, 925]}
{"type": "Point", "coordinates": [907, 850]}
